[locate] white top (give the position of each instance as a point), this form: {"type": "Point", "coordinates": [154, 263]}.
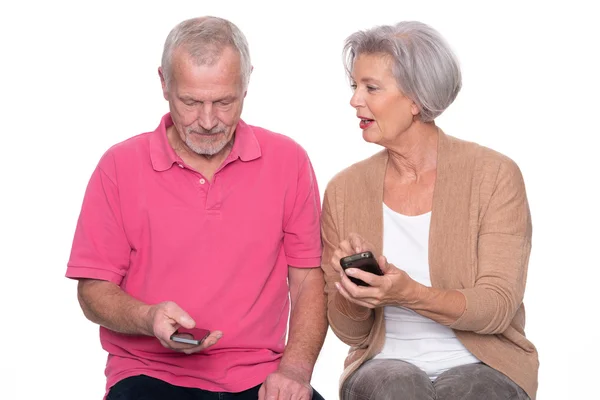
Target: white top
{"type": "Point", "coordinates": [410, 336]}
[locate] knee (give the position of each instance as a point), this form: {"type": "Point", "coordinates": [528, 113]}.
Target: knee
{"type": "Point", "coordinates": [387, 379]}
{"type": "Point", "coordinates": [476, 381]}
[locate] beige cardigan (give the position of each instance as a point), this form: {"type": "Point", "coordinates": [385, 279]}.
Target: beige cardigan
{"type": "Point", "coordinates": [479, 243]}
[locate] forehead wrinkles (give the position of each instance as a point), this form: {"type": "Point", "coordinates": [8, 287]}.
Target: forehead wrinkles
{"type": "Point", "coordinates": [373, 66]}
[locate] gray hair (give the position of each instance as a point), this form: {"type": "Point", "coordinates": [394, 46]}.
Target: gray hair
{"type": "Point", "coordinates": [204, 39]}
{"type": "Point", "coordinates": [425, 68]}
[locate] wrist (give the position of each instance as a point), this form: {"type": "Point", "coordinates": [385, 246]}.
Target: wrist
{"type": "Point", "coordinates": [300, 369]}
{"type": "Point", "coordinates": [415, 295]}
{"type": "Point", "coordinates": [145, 314]}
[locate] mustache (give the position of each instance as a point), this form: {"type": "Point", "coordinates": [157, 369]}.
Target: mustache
{"type": "Point", "coordinates": [202, 131]}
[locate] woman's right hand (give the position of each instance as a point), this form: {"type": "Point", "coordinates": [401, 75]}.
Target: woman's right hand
{"type": "Point", "coordinates": [353, 244]}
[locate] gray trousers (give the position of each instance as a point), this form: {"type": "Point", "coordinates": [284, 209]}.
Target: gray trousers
{"type": "Point", "coordinates": [399, 380]}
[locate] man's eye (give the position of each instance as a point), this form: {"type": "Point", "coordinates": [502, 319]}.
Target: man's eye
{"type": "Point", "coordinates": [371, 88]}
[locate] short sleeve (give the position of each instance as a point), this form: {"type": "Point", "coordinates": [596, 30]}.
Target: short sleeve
{"type": "Point", "coordinates": [302, 237]}
{"type": "Point", "coordinates": [100, 247]}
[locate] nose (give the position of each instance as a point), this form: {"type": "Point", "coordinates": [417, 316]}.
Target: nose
{"type": "Point", "coordinates": [356, 100]}
{"type": "Point", "coordinates": [207, 118]}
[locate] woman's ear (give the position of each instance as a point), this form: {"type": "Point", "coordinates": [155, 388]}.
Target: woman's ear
{"type": "Point", "coordinates": [414, 109]}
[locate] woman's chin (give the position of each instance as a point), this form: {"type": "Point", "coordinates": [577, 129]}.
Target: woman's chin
{"type": "Point", "coordinates": [370, 137]}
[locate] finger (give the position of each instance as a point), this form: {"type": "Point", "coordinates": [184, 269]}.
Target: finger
{"type": "Point", "coordinates": [285, 392]}
{"type": "Point", "coordinates": [359, 292]}
{"type": "Point", "coordinates": [212, 339]}
{"type": "Point", "coordinates": [306, 394]}
{"type": "Point", "coordinates": [182, 347]}
{"type": "Point", "coordinates": [180, 316]}
{"type": "Point", "coordinates": [347, 249]}
{"type": "Point", "coordinates": [271, 392]}
{"type": "Point", "coordinates": [209, 341]}
{"type": "Point", "coordinates": [367, 277]}
{"type": "Point", "coordinates": [303, 393]}
{"type": "Point", "coordinates": [356, 242]}
{"type": "Point", "coordinates": [347, 296]}
{"type": "Point", "coordinates": [187, 348]}
{"type": "Point", "coordinates": [335, 260]}
{"type": "Point", "coordinates": [345, 281]}
{"type": "Point", "coordinates": [350, 287]}
{"type": "Point", "coordinates": [261, 392]}
{"type": "Point", "coordinates": [383, 264]}
{"type": "Point", "coordinates": [164, 328]}
{"type": "Point", "coordinates": [191, 350]}
{"type": "Point", "coordinates": [298, 391]}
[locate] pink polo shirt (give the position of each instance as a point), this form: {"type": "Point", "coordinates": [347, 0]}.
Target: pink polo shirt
{"type": "Point", "coordinates": [219, 249]}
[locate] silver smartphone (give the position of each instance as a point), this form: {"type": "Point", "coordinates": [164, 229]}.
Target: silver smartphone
{"type": "Point", "coordinates": [193, 336]}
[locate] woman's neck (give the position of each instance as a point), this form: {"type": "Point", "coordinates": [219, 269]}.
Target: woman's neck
{"type": "Point", "coordinates": [415, 153]}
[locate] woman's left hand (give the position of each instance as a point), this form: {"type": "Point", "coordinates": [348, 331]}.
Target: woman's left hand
{"type": "Point", "coordinates": [394, 288]}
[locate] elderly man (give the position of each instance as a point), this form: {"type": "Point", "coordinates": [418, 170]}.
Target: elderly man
{"type": "Point", "coordinates": [206, 223]}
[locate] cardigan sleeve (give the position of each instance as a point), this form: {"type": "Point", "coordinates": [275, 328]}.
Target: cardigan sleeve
{"type": "Point", "coordinates": [350, 322]}
{"type": "Point", "coordinates": [504, 244]}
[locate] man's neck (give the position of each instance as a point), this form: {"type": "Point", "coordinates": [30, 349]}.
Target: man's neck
{"type": "Point", "coordinates": [206, 165]}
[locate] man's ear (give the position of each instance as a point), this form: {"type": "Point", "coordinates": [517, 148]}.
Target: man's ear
{"type": "Point", "coordinates": [163, 83]}
{"type": "Point", "coordinates": [251, 69]}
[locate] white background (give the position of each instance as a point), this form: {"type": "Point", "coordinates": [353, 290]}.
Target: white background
{"type": "Point", "coordinates": [77, 78]}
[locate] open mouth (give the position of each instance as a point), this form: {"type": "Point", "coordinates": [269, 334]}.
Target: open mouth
{"type": "Point", "coordinates": [365, 123]}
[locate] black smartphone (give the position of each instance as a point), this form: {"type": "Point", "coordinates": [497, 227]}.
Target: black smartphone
{"type": "Point", "coordinates": [193, 336]}
{"type": "Point", "coordinates": [364, 261]}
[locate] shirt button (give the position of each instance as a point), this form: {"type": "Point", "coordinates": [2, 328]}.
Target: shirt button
{"type": "Point", "coordinates": [202, 181]}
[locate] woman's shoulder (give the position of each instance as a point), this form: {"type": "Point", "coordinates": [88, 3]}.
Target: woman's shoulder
{"type": "Point", "coordinates": [367, 170]}
{"type": "Point", "coordinates": [483, 158]}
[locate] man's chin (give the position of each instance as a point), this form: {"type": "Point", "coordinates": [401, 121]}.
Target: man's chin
{"type": "Point", "coordinates": [207, 150]}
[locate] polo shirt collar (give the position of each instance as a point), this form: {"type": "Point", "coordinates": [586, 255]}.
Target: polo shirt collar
{"type": "Point", "coordinates": [245, 147]}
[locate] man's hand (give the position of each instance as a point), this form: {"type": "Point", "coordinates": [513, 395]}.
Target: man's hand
{"type": "Point", "coordinates": [106, 304]}
{"type": "Point", "coordinates": [165, 318]}
{"type": "Point", "coordinates": [286, 383]}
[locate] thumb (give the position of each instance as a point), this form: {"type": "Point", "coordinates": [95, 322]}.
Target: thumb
{"type": "Point", "coordinates": [261, 392]}
{"type": "Point", "coordinates": [181, 317]}
{"type": "Point", "coordinates": [383, 264]}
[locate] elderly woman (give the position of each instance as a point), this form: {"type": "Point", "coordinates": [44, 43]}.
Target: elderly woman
{"type": "Point", "coordinates": [446, 318]}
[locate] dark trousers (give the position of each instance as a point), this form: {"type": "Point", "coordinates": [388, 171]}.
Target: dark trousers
{"type": "Point", "coordinates": [142, 387]}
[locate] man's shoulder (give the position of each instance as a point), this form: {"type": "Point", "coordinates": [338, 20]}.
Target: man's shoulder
{"type": "Point", "coordinates": [270, 139]}
{"type": "Point", "coordinates": [123, 154]}
{"type": "Point", "coordinates": [131, 144]}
